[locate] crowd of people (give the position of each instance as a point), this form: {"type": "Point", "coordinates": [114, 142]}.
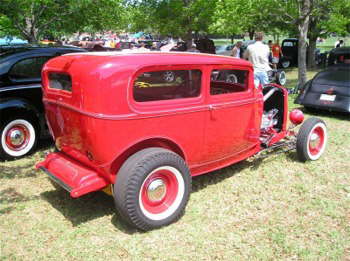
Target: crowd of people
{"type": "Point", "coordinates": [264, 57]}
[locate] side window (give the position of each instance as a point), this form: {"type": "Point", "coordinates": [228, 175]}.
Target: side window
{"type": "Point", "coordinates": [228, 81]}
{"type": "Point", "coordinates": [167, 85]}
{"type": "Point", "coordinates": [28, 68]}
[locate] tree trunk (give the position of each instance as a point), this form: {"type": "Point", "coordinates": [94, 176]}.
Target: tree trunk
{"type": "Point", "coordinates": [251, 34]}
{"type": "Point", "coordinates": [196, 35]}
{"type": "Point", "coordinates": [30, 33]}
{"type": "Point", "coordinates": [303, 26]}
{"type": "Point", "coordinates": [188, 38]}
{"type": "Point", "coordinates": [311, 52]}
{"type": "Point", "coordinates": [32, 39]}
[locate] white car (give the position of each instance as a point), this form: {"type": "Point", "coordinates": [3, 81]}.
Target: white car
{"type": "Point", "coordinates": [224, 49]}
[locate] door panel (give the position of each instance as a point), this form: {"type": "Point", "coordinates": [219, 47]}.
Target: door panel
{"type": "Point", "coordinates": [230, 120]}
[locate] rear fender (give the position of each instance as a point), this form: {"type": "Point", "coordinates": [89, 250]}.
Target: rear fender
{"type": "Point", "coordinates": [154, 142]}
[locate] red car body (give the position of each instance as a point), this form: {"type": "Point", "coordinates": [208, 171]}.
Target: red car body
{"type": "Point", "coordinates": [99, 122]}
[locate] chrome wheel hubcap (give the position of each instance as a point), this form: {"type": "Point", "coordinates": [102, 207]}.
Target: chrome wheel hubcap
{"type": "Point", "coordinates": [314, 140]}
{"type": "Point", "coordinates": [156, 190]}
{"type": "Point", "coordinates": [17, 137]}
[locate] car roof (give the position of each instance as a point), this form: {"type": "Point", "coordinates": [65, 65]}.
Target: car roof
{"type": "Point", "coordinates": [341, 50]}
{"type": "Point", "coordinates": [158, 58]}
{"type": "Point", "coordinates": [21, 50]}
{"type": "Point", "coordinates": [290, 39]}
{"type": "Point", "coordinates": [337, 75]}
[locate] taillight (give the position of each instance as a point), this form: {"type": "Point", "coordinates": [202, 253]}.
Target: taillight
{"type": "Point", "coordinates": [60, 81]}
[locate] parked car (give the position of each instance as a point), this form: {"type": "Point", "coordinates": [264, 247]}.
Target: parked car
{"type": "Point", "coordinates": [12, 40]}
{"type": "Point", "coordinates": [125, 45]}
{"type": "Point", "coordinates": [21, 108]}
{"type": "Point", "coordinates": [145, 123]}
{"type": "Point", "coordinates": [330, 88]}
{"type": "Point", "coordinates": [224, 49]}
{"type": "Point", "coordinates": [88, 43]}
{"type": "Point", "coordinates": [290, 54]}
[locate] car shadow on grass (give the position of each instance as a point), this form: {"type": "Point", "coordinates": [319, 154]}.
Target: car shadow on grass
{"type": "Point", "coordinates": [86, 208]}
{"type": "Point", "coordinates": [323, 113]}
{"type": "Point", "coordinates": [10, 197]}
{"type": "Point", "coordinates": [212, 178]}
{"type": "Point", "coordinates": [16, 172]}
{"type": "Point", "coordinates": [24, 167]}
{"type": "Point", "coordinates": [98, 204]}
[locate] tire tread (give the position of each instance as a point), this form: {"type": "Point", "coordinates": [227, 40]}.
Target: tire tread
{"type": "Point", "coordinates": [302, 138]}
{"type": "Point", "coordinates": [128, 181]}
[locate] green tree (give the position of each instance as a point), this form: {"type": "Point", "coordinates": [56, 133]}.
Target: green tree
{"type": "Point", "coordinates": [339, 17]}
{"type": "Point", "coordinates": [295, 13]}
{"type": "Point", "coordinates": [172, 17]}
{"type": "Point", "coordinates": [326, 17]}
{"type": "Point", "coordinates": [237, 16]}
{"type": "Point", "coordinates": [32, 19]}
{"type": "Point", "coordinates": [6, 27]}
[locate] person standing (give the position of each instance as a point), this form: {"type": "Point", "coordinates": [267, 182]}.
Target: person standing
{"type": "Point", "coordinates": [258, 55]}
{"type": "Point", "coordinates": [336, 43]}
{"type": "Point", "coordinates": [193, 49]}
{"type": "Point", "coordinates": [340, 44]}
{"type": "Point", "coordinates": [276, 54]}
{"type": "Point", "coordinates": [236, 50]}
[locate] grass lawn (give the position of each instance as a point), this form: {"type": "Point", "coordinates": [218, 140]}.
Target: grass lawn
{"type": "Point", "coordinates": [276, 208]}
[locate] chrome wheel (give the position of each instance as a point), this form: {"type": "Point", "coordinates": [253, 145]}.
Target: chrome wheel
{"type": "Point", "coordinates": [18, 137]}
{"type": "Point", "coordinates": [169, 76]}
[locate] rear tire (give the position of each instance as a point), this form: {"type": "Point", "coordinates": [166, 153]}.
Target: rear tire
{"type": "Point", "coordinates": [152, 188]}
{"type": "Point", "coordinates": [19, 137]}
{"type": "Point", "coordinates": [311, 139]}
{"type": "Point", "coordinates": [285, 64]}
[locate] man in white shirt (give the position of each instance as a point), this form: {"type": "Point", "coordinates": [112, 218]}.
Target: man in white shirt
{"type": "Point", "coordinates": [258, 54]}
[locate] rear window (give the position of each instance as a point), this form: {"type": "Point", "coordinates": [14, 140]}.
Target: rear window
{"type": "Point", "coordinates": [60, 81]}
{"type": "Point", "coordinates": [336, 77]}
{"type": "Point", "coordinates": [289, 44]}
{"type": "Point", "coordinates": [167, 85]}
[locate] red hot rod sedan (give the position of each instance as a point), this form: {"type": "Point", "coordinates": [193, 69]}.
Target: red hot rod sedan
{"type": "Point", "coordinates": [144, 123]}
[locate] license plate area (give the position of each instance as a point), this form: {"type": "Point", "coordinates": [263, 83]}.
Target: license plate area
{"type": "Point", "coordinates": [327, 97]}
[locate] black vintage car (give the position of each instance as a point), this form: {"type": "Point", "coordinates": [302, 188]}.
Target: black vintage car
{"type": "Point", "coordinates": [329, 89]}
{"type": "Point", "coordinates": [290, 54]}
{"type": "Point", "coordinates": [21, 109]}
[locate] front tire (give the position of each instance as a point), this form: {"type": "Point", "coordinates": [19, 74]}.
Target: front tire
{"type": "Point", "coordinates": [18, 138]}
{"type": "Point", "coordinates": [281, 78]}
{"type": "Point", "coordinates": [311, 139]}
{"type": "Point", "coordinates": [152, 188]}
